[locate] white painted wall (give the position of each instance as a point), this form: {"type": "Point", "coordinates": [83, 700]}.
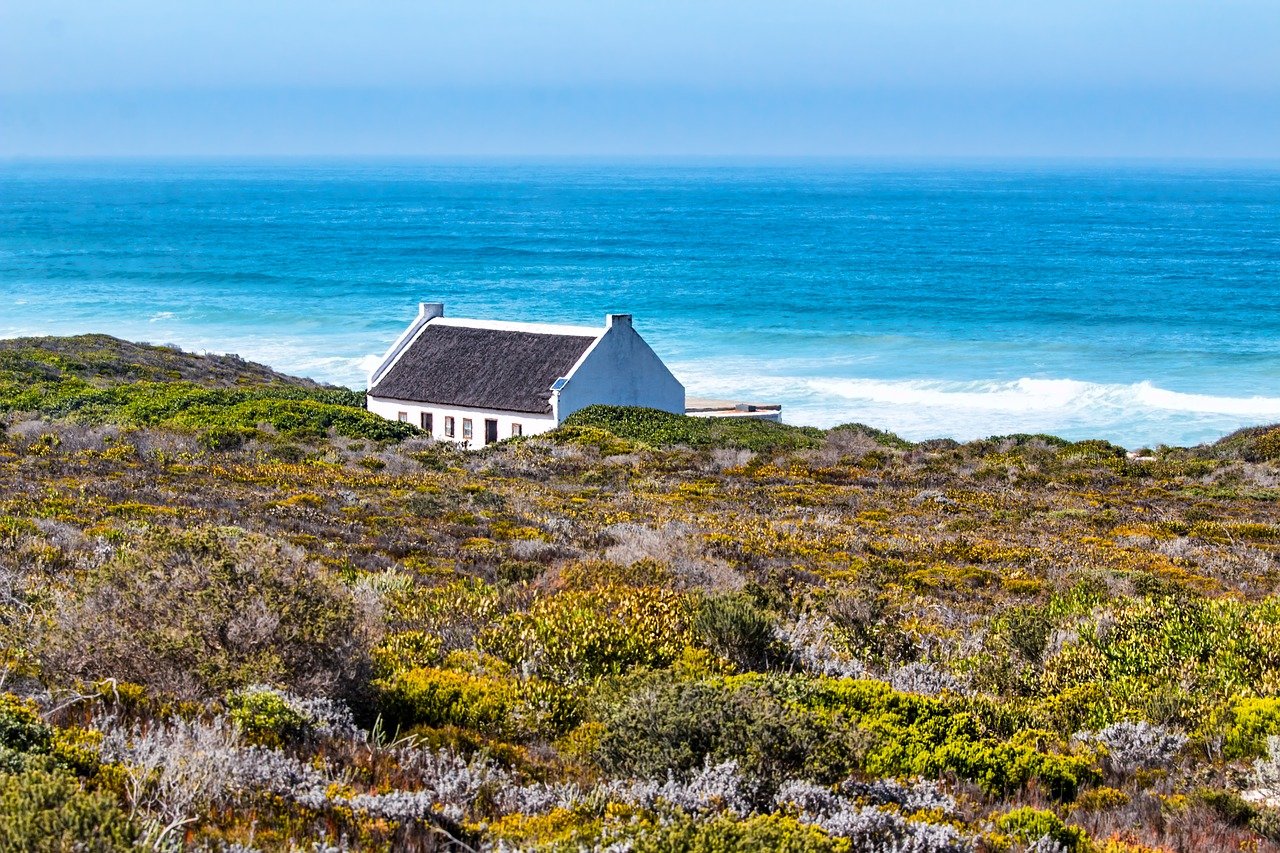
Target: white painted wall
{"type": "Point", "coordinates": [530, 424]}
{"type": "Point", "coordinates": [619, 369]}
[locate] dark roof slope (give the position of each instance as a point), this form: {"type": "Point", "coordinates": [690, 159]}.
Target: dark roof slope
{"type": "Point", "coordinates": [482, 368]}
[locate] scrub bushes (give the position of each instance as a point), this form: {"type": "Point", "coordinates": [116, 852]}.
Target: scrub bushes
{"type": "Point", "coordinates": [45, 810]}
{"type": "Point", "coordinates": [1149, 646]}
{"type": "Point", "coordinates": [207, 610]}
{"type": "Point", "coordinates": [780, 728]}
{"type": "Point", "coordinates": [656, 428]}
{"type": "Point", "coordinates": [492, 704]}
{"type": "Point", "coordinates": [1030, 825]}
{"type": "Point", "coordinates": [624, 634]}
{"type": "Point", "coordinates": [21, 730]}
{"type": "Point", "coordinates": [677, 727]}
{"type": "Point", "coordinates": [578, 636]}
{"type": "Point", "coordinates": [733, 628]}
{"type": "Point", "coordinates": [226, 415]}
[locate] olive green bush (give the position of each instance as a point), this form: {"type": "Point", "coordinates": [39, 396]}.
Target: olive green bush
{"type": "Point", "coordinates": [734, 628]}
{"type": "Point", "coordinates": [46, 810]}
{"type": "Point", "coordinates": [1029, 824]}
{"type": "Point", "coordinates": [656, 428]}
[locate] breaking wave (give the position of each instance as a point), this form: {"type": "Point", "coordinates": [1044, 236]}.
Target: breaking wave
{"type": "Point", "coordinates": [1039, 395]}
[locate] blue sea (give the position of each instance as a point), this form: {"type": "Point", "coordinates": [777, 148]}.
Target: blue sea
{"type": "Point", "coordinates": [1139, 304]}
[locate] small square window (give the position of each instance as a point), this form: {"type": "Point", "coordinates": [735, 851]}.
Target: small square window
{"type": "Point", "coordinates": [466, 429]}
{"type": "Point", "coordinates": [448, 427]}
{"type": "Point", "coordinates": [426, 423]}
{"type": "Point", "coordinates": [516, 429]}
{"type": "Point", "coordinates": [403, 416]}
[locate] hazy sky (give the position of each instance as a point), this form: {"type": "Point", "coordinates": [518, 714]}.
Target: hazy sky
{"type": "Point", "coordinates": [1122, 78]}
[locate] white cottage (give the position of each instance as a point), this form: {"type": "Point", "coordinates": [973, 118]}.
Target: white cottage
{"type": "Point", "coordinates": [479, 381]}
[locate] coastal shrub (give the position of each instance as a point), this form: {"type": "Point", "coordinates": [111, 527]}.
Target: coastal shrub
{"type": "Point", "coordinates": [21, 729]}
{"type": "Point", "coordinates": [580, 635]}
{"type": "Point", "coordinates": [1128, 747]}
{"type": "Point", "coordinates": [405, 650]}
{"type": "Point", "coordinates": [1252, 444]}
{"type": "Point", "coordinates": [1030, 824]}
{"type": "Point", "coordinates": [228, 413]}
{"type": "Point", "coordinates": [106, 360]}
{"type": "Point", "coordinates": [725, 833]}
{"type": "Point", "coordinates": [1172, 659]}
{"type": "Point", "coordinates": [200, 611]}
{"type": "Point", "coordinates": [490, 704]}
{"type": "Point", "coordinates": [435, 697]}
{"type": "Point", "coordinates": [1244, 731]}
{"type": "Point", "coordinates": [869, 624]}
{"type": "Point", "coordinates": [46, 810]}
{"type": "Point", "coordinates": [264, 717]}
{"type": "Point", "coordinates": [786, 726]}
{"type": "Point", "coordinates": [909, 734]}
{"type": "Point", "coordinates": [681, 726]}
{"type": "Point", "coordinates": [657, 428]}
{"type": "Point", "coordinates": [602, 441]}
{"type": "Point", "coordinates": [732, 627]}
{"type": "Point", "coordinates": [884, 438]}
{"type": "Point", "coordinates": [1004, 594]}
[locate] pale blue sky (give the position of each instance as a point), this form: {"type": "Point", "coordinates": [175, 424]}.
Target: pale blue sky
{"type": "Point", "coordinates": [895, 78]}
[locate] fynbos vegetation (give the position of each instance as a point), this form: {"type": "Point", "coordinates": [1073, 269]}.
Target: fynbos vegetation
{"type": "Point", "coordinates": [239, 613]}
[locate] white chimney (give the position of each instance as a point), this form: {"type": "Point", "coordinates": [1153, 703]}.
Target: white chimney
{"type": "Point", "coordinates": [611, 320]}
{"type": "Point", "coordinates": [430, 310]}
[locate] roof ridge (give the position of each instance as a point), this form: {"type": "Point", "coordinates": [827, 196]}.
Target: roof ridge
{"type": "Point", "coordinates": [516, 326]}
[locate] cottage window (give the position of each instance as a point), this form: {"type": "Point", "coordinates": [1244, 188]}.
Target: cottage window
{"type": "Point", "coordinates": [516, 429]}
{"type": "Point", "coordinates": [404, 416]}
{"type": "Point", "coordinates": [448, 426]}
{"type": "Point", "coordinates": [426, 423]}
{"type": "Point", "coordinates": [466, 429]}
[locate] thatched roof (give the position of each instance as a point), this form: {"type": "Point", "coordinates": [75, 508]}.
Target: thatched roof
{"type": "Point", "coordinates": [478, 368]}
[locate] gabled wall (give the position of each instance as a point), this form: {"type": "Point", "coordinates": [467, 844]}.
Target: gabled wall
{"type": "Point", "coordinates": [619, 370]}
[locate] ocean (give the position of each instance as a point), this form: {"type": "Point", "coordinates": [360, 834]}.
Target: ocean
{"type": "Point", "coordinates": [1135, 303]}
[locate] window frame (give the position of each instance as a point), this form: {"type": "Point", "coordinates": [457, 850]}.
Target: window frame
{"type": "Point", "coordinates": [468, 429]}
{"type": "Point", "coordinates": [450, 426]}
{"type": "Point", "coordinates": [516, 429]}
{"type": "Point", "coordinates": [427, 423]}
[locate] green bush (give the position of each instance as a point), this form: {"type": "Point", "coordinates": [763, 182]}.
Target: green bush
{"type": "Point", "coordinates": [732, 627]}
{"type": "Point", "coordinates": [44, 809]}
{"type": "Point", "coordinates": [1029, 824]}
{"type": "Point", "coordinates": [488, 704]}
{"type": "Point", "coordinates": [1252, 444]}
{"type": "Point", "coordinates": [264, 717]}
{"type": "Point", "coordinates": [21, 729]}
{"type": "Point", "coordinates": [1173, 659]}
{"type": "Point", "coordinates": [1251, 721]}
{"type": "Point", "coordinates": [227, 415]}
{"type": "Point", "coordinates": [675, 726]}
{"type": "Point", "coordinates": [908, 734]}
{"type": "Point", "coordinates": [726, 834]}
{"type": "Point", "coordinates": [663, 429]}
{"type": "Point", "coordinates": [428, 696]}
{"type": "Point", "coordinates": [580, 635]}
